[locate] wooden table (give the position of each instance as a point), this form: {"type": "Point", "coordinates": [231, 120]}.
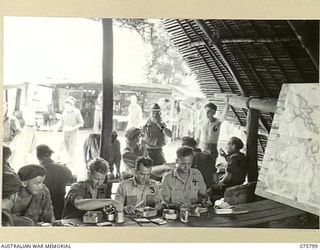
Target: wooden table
{"type": "Point", "coordinates": [258, 213]}
{"type": "Point", "coordinates": [77, 222]}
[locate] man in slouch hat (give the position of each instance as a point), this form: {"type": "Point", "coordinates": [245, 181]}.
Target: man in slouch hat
{"type": "Point", "coordinates": [154, 135]}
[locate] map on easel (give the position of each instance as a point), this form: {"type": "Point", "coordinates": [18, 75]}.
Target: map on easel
{"type": "Point", "coordinates": [291, 165]}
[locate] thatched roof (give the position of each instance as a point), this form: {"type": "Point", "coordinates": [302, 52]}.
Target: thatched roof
{"type": "Point", "coordinates": [248, 57]}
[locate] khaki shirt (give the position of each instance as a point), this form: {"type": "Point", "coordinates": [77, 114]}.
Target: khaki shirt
{"type": "Point", "coordinates": [174, 189]}
{"type": "Point", "coordinates": [130, 192]}
{"type": "Point", "coordinates": [39, 209]}
{"type": "Point", "coordinates": [153, 136]}
{"type": "Point", "coordinates": [81, 190]}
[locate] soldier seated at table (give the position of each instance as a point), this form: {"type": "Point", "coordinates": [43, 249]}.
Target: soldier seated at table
{"type": "Point", "coordinates": [57, 178]}
{"type": "Point", "coordinates": [235, 168]}
{"type": "Point", "coordinates": [184, 185]}
{"type": "Point", "coordinates": [140, 190]}
{"type": "Point", "coordinates": [202, 161]}
{"type": "Point", "coordinates": [10, 188]}
{"type": "Point", "coordinates": [33, 199]}
{"type": "Point", "coordinates": [90, 194]}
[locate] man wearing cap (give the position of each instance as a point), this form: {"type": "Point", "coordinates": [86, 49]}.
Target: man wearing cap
{"type": "Point", "coordinates": [140, 190]}
{"type": "Point", "coordinates": [154, 133]}
{"type": "Point", "coordinates": [184, 185]}
{"type": "Point", "coordinates": [57, 177]}
{"type": "Point", "coordinates": [209, 130]}
{"type": "Point", "coordinates": [71, 120]}
{"type": "Point", "coordinates": [91, 194]}
{"type": "Point", "coordinates": [10, 188]}
{"type": "Point", "coordinates": [33, 199]}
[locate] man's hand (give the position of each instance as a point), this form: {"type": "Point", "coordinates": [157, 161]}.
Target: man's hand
{"type": "Point", "coordinates": [222, 153]}
{"type": "Point", "coordinates": [184, 204]}
{"type": "Point", "coordinates": [129, 209]}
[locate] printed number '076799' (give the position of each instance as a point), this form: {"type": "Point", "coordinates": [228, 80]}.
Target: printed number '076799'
{"type": "Point", "coordinates": [307, 246]}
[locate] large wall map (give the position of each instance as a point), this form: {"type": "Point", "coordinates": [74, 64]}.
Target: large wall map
{"type": "Point", "coordinates": [290, 171]}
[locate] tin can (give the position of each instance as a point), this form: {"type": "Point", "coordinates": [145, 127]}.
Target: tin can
{"type": "Point", "coordinates": [120, 217]}
{"type": "Point", "coordinates": [184, 215]}
{"type": "Point", "coordinates": [110, 217]}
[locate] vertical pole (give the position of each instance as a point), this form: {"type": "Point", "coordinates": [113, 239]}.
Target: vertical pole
{"type": "Point", "coordinates": [107, 88]}
{"type": "Point", "coordinates": [252, 140]}
{"type": "Point", "coordinates": [18, 100]}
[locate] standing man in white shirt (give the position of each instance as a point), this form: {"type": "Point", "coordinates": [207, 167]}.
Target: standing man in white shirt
{"type": "Point", "coordinates": [71, 120]}
{"type": "Point", "coordinates": [209, 129]}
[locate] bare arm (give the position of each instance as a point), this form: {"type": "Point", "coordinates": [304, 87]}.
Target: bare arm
{"type": "Point", "coordinates": [92, 204]}
{"type": "Point", "coordinates": [225, 111]}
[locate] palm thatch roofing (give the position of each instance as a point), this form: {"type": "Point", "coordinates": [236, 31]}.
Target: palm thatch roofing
{"type": "Point", "coordinates": [249, 58]}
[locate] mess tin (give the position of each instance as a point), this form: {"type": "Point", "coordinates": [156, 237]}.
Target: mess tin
{"type": "Point", "coordinates": [93, 217]}
{"type": "Point", "coordinates": [149, 212]}
{"type": "Point", "coordinates": [169, 214]}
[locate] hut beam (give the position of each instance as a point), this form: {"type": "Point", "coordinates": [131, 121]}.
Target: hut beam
{"type": "Point", "coordinates": [261, 104]}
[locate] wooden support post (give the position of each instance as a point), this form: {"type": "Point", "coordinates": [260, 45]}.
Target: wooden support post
{"type": "Point", "coordinates": [252, 147]}
{"type": "Point", "coordinates": [107, 88]}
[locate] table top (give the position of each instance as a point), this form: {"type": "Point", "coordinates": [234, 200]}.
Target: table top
{"type": "Point", "coordinates": [257, 213]}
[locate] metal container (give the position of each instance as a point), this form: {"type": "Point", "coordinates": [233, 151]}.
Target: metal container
{"type": "Point", "coordinates": [120, 217]}
{"type": "Point", "coordinates": [169, 214]}
{"type": "Point", "coordinates": [92, 217]}
{"type": "Point", "coordinates": [110, 217]}
{"type": "Point", "coordinates": [184, 215]}
{"type": "Point", "coordinates": [149, 212]}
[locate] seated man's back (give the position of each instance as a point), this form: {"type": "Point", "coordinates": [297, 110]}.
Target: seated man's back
{"type": "Point", "coordinates": [204, 162]}
{"type": "Point", "coordinates": [56, 179]}
{"type": "Point", "coordinates": [237, 165]}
